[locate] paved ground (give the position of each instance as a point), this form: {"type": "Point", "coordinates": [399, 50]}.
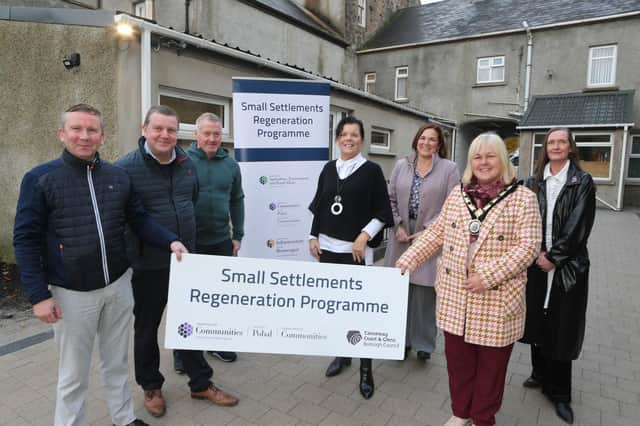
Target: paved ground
{"type": "Point", "coordinates": [292, 390]}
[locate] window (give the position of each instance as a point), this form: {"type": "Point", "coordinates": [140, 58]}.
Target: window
{"type": "Point", "coordinates": [634, 158]}
{"type": "Point", "coordinates": [380, 138]}
{"type": "Point", "coordinates": [370, 82]}
{"type": "Point", "coordinates": [602, 66]}
{"type": "Point", "coordinates": [143, 9]}
{"type": "Point", "coordinates": [490, 70]}
{"type": "Point", "coordinates": [594, 150]}
{"type": "Point", "coordinates": [189, 105]}
{"type": "Point", "coordinates": [402, 79]}
{"type": "Point", "coordinates": [361, 13]}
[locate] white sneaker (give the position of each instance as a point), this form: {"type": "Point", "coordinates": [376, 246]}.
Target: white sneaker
{"type": "Point", "coordinates": [457, 421]}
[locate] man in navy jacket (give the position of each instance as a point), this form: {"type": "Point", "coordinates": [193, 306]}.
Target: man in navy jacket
{"type": "Point", "coordinates": [70, 248]}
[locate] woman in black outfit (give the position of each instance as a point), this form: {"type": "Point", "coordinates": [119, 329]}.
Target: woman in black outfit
{"type": "Point", "coordinates": [557, 284]}
{"type": "Point", "coordinates": [350, 209]}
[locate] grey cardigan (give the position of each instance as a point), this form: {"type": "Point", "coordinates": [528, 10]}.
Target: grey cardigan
{"type": "Point", "coordinates": [439, 181]}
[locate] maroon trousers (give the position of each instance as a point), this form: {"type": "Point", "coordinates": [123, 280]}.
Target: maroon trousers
{"type": "Point", "coordinates": [476, 378]}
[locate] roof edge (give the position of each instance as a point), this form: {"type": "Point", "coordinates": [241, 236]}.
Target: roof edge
{"type": "Point", "coordinates": [62, 16]}
{"type": "Point", "coordinates": [334, 38]}
{"type": "Point", "coordinates": [575, 126]}
{"type": "Point", "coordinates": [502, 32]}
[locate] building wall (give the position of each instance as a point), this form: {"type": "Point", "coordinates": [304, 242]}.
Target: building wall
{"type": "Point", "coordinates": [442, 77]}
{"type": "Point", "coordinates": [36, 88]}
{"type": "Point", "coordinates": [241, 25]}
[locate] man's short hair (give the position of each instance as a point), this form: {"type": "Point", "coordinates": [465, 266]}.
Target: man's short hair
{"type": "Point", "coordinates": [86, 108]}
{"type": "Point", "coordinates": [160, 109]}
{"type": "Point", "coordinates": [207, 116]}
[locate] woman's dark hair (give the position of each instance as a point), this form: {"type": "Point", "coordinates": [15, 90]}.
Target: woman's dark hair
{"type": "Point", "coordinates": [350, 119]}
{"type": "Point", "coordinates": [442, 145]}
{"type": "Point", "coordinates": [543, 159]}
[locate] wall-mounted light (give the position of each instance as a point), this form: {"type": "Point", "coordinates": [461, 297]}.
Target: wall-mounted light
{"type": "Point", "coordinates": [124, 30]}
{"type": "Point", "coordinates": [71, 60]}
{"type": "Point", "coordinates": [125, 35]}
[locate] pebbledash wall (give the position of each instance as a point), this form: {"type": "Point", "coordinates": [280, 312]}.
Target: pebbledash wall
{"type": "Point", "coordinates": [36, 88]}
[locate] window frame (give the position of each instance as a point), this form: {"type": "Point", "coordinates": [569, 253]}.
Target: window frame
{"type": "Point", "coordinates": [383, 131]}
{"type": "Point", "coordinates": [186, 130]}
{"type": "Point", "coordinates": [491, 66]}
{"type": "Point", "coordinates": [633, 156]}
{"type": "Point", "coordinates": [609, 144]}
{"type": "Point", "coordinates": [397, 78]}
{"type": "Point", "coordinates": [368, 81]}
{"type": "Point", "coordinates": [614, 57]}
{"type": "Point", "coordinates": [361, 13]}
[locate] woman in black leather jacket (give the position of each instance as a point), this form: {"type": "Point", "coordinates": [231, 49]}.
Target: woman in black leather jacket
{"type": "Point", "coordinates": [558, 280]}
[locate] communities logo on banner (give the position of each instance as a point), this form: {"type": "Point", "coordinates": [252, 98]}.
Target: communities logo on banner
{"type": "Point", "coordinates": [185, 329]}
{"type": "Point", "coordinates": [354, 337]}
{"type": "Point", "coordinates": [271, 243]}
{"type": "Point", "coordinates": [263, 180]}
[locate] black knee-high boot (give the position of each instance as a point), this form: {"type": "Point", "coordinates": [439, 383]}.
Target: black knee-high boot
{"type": "Point", "coordinates": [366, 378]}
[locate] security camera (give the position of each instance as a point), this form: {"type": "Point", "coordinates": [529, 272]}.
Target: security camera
{"type": "Point", "coordinates": [71, 60]}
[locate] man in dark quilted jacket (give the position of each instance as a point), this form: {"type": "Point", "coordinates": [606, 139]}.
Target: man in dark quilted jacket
{"type": "Point", "coordinates": [167, 182]}
{"type": "Point", "coordinates": [70, 247]}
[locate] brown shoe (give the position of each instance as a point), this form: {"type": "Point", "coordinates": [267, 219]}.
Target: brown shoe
{"type": "Point", "coordinates": [216, 396]}
{"type": "Point", "coordinates": [154, 402]}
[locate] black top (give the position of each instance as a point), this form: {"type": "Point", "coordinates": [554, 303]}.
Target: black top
{"type": "Point", "coordinates": [363, 195]}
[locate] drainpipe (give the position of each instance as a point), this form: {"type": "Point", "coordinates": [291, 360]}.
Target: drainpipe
{"type": "Point", "coordinates": [186, 15]}
{"type": "Point", "coordinates": [145, 71]}
{"type": "Point", "coordinates": [623, 154]}
{"type": "Point", "coordinates": [527, 78]}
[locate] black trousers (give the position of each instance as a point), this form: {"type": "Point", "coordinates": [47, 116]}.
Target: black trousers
{"type": "Point", "coordinates": [223, 248]}
{"type": "Point", "coordinates": [150, 292]}
{"type": "Point", "coordinates": [554, 375]}
{"type": "Point", "coordinates": [344, 259]}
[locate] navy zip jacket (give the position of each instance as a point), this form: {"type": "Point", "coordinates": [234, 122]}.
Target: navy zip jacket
{"type": "Point", "coordinates": [70, 225]}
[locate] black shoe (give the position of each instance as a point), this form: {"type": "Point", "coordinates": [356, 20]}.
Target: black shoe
{"type": "Point", "coordinates": [531, 383]}
{"type": "Point", "coordinates": [224, 356]}
{"type": "Point", "coordinates": [423, 356]}
{"type": "Point", "coordinates": [564, 411]}
{"type": "Point", "coordinates": [366, 382]}
{"type": "Point", "coordinates": [336, 366]}
{"type": "Point", "coordinates": [178, 366]}
{"type": "Point", "coordinates": [137, 422]}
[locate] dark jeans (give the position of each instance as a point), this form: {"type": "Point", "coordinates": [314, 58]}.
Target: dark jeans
{"type": "Point", "coordinates": [150, 292]}
{"type": "Point", "coordinates": [344, 259]}
{"type": "Point", "coordinates": [223, 248]}
{"type": "Point", "coordinates": [554, 375]}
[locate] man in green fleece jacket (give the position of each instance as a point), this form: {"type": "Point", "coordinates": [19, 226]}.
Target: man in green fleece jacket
{"type": "Point", "coordinates": [220, 205]}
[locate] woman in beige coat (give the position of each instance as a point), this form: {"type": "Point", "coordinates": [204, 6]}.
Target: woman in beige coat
{"type": "Point", "coordinates": [419, 186]}
{"type": "Point", "coordinates": [490, 232]}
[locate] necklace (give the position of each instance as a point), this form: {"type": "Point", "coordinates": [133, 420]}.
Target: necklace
{"type": "Point", "coordinates": [478, 214]}
{"type": "Point", "coordinates": [337, 207]}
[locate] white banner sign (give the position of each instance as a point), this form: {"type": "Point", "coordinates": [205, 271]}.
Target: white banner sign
{"type": "Point", "coordinates": [286, 307]}
{"type": "Point", "coordinates": [281, 141]}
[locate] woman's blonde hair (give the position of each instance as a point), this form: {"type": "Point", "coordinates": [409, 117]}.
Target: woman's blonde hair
{"type": "Point", "coordinates": [494, 142]}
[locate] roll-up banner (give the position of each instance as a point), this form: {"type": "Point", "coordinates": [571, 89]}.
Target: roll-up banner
{"type": "Point", "coordinates": [281, 142]}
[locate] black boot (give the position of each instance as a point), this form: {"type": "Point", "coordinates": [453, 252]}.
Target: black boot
{"type": "Point", "coordinates": [336, 366]}
{"type": "Point", "coordinates": [366, 378]}
{"type": "Point", "coordinates": [564, 411]}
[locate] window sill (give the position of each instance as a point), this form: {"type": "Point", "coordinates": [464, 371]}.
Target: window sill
{"type": "Point", "coordinates": [382, 153]}
{"type": "Point", "coordinates": [601, 89]}
{"type": "Point", "coordinates": [402, 101]}
{"type": "Point", "coordinates": [493, 84]}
